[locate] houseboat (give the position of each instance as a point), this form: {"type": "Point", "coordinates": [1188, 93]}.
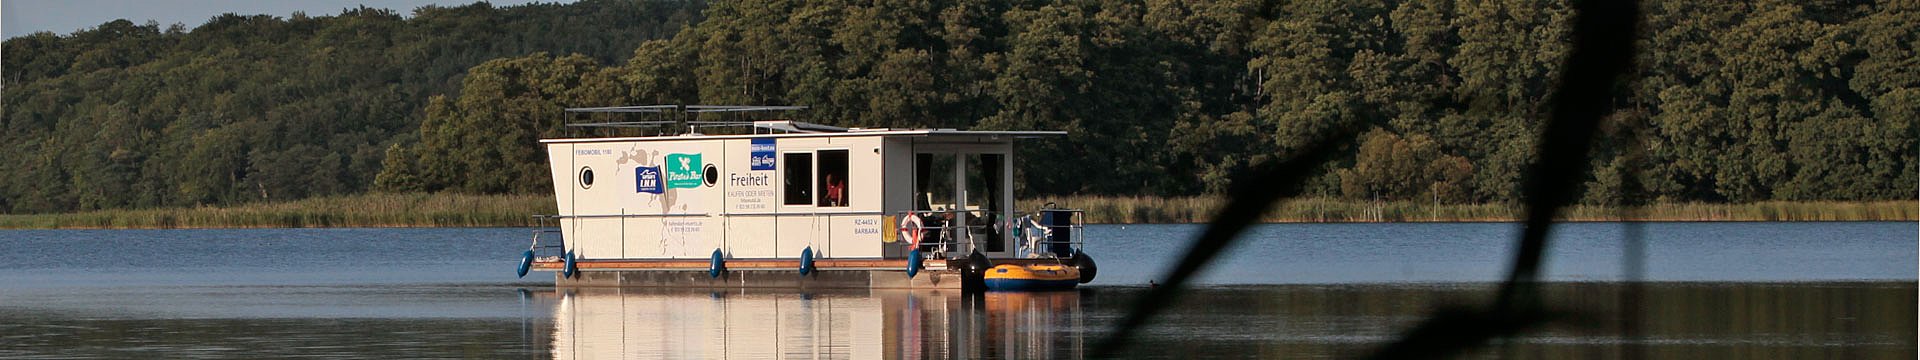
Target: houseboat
{"type": "Point", "coordinates": [678, 199]}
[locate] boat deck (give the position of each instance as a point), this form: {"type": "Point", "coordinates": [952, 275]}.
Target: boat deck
{"type": "Point", "coordinates": [766, 273]}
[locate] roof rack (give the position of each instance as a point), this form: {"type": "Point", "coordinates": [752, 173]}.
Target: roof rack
{"type": "Point", "coordinates": [796, 126]}
{"type": "Point", "coordinates": [741, 108]}
{"type": "Point", "coordinates": [684, 118]}
{"type": "Point", "coordinates": [624, 109]}
{"type": "Point", "coordinates": [686, 108]}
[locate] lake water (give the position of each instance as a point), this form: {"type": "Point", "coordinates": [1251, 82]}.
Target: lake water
{"type": "Point", "coordinates": [1717, 290]}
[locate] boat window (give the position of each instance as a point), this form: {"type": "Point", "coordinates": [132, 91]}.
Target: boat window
{"type": "Point", "coordinates": [933, 177]}
{"type": "Point", "coordinates": [798, 178]}
{"type": "Point", "coordinates": [985, 187]}
{"type": "Point", "coordinates": [933, 190]}
{"type": "Point", "coordinates": [833, 178]}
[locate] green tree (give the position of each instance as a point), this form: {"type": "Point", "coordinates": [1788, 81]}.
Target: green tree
{"type": "Point", "coordinates": [1391, 167]}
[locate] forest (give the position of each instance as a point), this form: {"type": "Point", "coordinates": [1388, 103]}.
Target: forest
{"type": "Point", "coordinates": [1729, 102]}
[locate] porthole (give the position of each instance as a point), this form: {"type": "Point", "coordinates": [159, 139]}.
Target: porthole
{"type": "Point", "coordinates": [586, 177]}
{"type": "Point", "coordinates": [712, 175]}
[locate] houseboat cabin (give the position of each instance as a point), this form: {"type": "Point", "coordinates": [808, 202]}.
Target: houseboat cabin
{"type": "Point", "coordinates": [781, 203]}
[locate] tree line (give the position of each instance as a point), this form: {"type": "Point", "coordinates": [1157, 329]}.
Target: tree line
{"type": "Point", "coordinates": [248, 108]}
{"type": "Point", "coordinates": [1729, 101]}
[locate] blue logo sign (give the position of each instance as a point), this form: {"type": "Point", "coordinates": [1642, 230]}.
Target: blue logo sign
{"type": "Point", "coordinates": [647, 180]}
{"type": "Point", "coordinates": [762, 152]}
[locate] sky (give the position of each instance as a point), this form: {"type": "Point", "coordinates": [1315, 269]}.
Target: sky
{"type": "Point", "coordinates": [22, 17]}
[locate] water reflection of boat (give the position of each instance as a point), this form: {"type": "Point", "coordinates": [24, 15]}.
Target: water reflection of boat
{"type": "Point", "coordinates": [862, 324]}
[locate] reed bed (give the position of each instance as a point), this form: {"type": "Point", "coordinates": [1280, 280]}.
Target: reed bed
{"type": "Point", "coordinates": [1200, 209]}
{"type": "Point", "coordinates": [369, 210]}
{"type": "Point", "coordinates": [458, 210]}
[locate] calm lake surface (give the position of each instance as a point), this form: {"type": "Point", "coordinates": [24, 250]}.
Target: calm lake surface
{"type": "Point", "coordinates": [1715, 290]}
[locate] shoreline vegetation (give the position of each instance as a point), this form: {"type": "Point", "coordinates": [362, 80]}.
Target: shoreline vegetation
{"type": "Point", "coordinates": [459, 210]}
{"type": "Point", "coordinates": [366, 210]}
{"type": "Point", "coordinates": [1200, 209]}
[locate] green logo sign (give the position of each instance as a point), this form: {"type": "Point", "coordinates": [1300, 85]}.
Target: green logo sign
{"type": "Point", "coordinates": [683, 171]}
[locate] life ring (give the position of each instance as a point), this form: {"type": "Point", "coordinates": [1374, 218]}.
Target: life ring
{"type": "Point", "coordinates": [910, 229]}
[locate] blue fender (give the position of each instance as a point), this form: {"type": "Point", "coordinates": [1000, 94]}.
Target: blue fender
{"type": "Point", "coordinates": [718, 266]}
{"type": "Point", "coordinates": [572, 268]}
{"type": "Point", "coordinates": [526, 261]}
{"type": "Point", "coordinates": [806, 261]}
{"type": "Point", "coordinates": [913, 263]}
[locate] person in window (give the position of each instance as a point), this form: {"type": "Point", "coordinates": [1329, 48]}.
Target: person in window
{"type": "Point", "coordinates": [836, 191]}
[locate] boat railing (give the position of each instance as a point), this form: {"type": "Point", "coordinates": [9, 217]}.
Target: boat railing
{"type": "Point", "coordinates": [548, 242]}
{"type": "Point", "coordinates": [555, 246]}
{"type": "Point", "coordinates": [1075, 227]}
{"type": "Point", "coordinates": [948, 239]}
